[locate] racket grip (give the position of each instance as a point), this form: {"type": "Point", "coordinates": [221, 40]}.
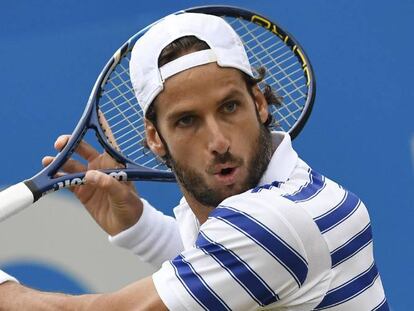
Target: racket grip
{"type": "Point", "coordinates": [14, 199]}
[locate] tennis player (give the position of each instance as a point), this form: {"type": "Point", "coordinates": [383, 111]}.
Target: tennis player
{"type": "Point", "coordinates": [257, 228]}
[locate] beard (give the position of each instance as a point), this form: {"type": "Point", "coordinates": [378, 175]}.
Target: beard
{"type": "Point", "coordinates": [194, 183]}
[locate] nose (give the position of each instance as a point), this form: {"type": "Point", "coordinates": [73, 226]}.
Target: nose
{"type": "Point", "coordinates": [218, 142]}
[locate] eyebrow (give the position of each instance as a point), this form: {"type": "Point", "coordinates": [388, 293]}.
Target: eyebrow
{"type": "Point", "coordinates": [231, 94]}
{"type": "Point", "coordinates": [176, 115]}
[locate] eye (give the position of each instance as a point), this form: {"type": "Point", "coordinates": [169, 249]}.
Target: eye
{"type": "Point", "coordinates": [230, 107]}
{"type": "Point", "coordinates": [185, 121]}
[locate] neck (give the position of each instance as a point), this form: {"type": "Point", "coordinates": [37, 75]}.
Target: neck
{"type": "Point", "coordinates": [200, 211]}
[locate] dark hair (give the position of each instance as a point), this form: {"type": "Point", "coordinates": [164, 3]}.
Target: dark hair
{"type": "Point", "coordinates": [187, 44]}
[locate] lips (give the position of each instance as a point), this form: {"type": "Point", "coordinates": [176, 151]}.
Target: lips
{"type": "Point", "coordinates": [226, 175]}
{"type": "Point", "coordinates": [225, 169]}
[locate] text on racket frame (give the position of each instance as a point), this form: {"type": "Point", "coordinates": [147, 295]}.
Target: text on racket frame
{"type": "Point", "coordinates": [121, 176]}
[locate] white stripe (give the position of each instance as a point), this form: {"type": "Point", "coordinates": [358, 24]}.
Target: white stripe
{"type": "Point", "coordinates": [212, 273]}
{"type": "Point", "coordinates": [327, 199]}
{"type": "Point", "coordinates": [264, 265]}
{"type": "Point", "coordinates": [347, 229]}
{"type": "Point", "coordinates": [297, 229]}
{"type": "Point", "coordinates": [352, 267]}
{"type": "Point", "coordinates": [171, 290]}
{"type": "Point", "coordinates": [366, 300]}
{"type": "Point", "coordinates": [240, 263]}
{"type": "Point", "coordinates": [194, 293]}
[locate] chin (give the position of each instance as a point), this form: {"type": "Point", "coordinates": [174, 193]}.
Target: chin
{"type": "Point", "coordinates": [234, 190]}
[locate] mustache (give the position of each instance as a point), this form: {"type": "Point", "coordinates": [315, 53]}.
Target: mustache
{"type": "Point", "coordinates": [224, 158]}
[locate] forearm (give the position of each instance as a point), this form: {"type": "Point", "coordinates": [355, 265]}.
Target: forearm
{"type": "Point", "coordinates": [14, 296]}
{"type": "Point", "coordinates": [140, 295]}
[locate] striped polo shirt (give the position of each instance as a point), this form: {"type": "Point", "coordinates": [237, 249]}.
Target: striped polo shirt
{"type": "Point", "coordinates": [298, 241]}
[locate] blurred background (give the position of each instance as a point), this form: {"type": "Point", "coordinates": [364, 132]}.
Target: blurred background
{"type": "Point", "coordinates": [360, 134]}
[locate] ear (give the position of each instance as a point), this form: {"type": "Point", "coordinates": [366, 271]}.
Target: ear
{"type": "Point", "coordinates": [153, 139]}
{"type": "Point", "coordinates": [261, 104]}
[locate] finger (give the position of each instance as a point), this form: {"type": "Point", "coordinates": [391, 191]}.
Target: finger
{"type": "Point", "coordinates": [107, 130]}
{"type": "Point", "coordinates": [113, 187]}
{"type": "Point", "coordinates": [105, 161]}
{"type": "Point", "coordinates": [73, 166]}
{"type": "Point", "coordinates": [70, 166]}
{"type": "Point", "coordinates": [47, 160]}
{"type": "Point", "coordinates": [85, 150]}
{"type": "Point", "coordinates": [61, 142]}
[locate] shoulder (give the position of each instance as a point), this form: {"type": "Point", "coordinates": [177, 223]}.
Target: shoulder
{"type": "Point", "coordinates": [267, 205]}
{"type": "Point", "coordinates": [267, 220]}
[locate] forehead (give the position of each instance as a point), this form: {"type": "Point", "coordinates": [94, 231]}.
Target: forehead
{"type": "Point", "coordinates": [199, 85]}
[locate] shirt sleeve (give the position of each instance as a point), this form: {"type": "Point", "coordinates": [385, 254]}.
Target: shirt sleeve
{"type": "Point", "coordinates": [155, 238]}
{"type": "Point", "coordinates": [248, 255]}
{"type": "Point", "coordinates": [4, 277]}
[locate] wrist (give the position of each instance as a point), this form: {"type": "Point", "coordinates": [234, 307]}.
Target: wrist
{"type": "Point", "coordinates": [123, 237]}
{"type": "Point", "coordinates": [125, 218]}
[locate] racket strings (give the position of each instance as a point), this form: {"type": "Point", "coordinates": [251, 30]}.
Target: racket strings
{"type": "Point", "coordinates": [124, 116]}
{"type": "Point", "coordinates": [123, 76]}
{"type": "Point", "coordinates": [261, 45]}
{"type": "Point", "coordinates": [284, 71]}
{"type": "Point", "coordinates": [277, 63]}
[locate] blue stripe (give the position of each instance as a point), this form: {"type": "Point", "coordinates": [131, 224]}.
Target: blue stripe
{"type": "Point", "coordinates": [293, 262]}
{"type": "Point", "coordinates": [255, 286]}
{"type": "Point", "coordinates": [352, 246]}
{"type": "Point", "coordinates": [196, 286]}
{"type": "Point", "coordinates": [339, 213]}
{"type": "Point", "coordinates": [266, 186]}
{"type": "Point", "coordinates": [309, 190]}
{"type": "Point", "coordinates": [350, 289]}
{"type": "Point", "coordinates": [383, 306]}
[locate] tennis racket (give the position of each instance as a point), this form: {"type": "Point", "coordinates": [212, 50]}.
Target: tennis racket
{"type": "Point", "coordinates": [113, 113]}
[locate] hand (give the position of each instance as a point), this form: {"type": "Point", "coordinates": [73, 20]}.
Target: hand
{"type": "Point", "coordinates": [114, 205]}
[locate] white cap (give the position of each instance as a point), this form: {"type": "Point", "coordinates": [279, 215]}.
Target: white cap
{"type": "Point", "coordinates": [226, 48]}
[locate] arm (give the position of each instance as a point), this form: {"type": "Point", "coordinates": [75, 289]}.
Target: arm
{"type": "Point", "coordinates": [140, 295]}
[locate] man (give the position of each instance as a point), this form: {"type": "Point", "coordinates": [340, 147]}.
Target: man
{"type": "Point", "coordinates": [257, 227]}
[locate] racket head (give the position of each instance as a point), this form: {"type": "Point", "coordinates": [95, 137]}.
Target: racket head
{"type": "Point", "coordinates": [114, 113]}
{"type": "Point", "coordinates": [268, 45]}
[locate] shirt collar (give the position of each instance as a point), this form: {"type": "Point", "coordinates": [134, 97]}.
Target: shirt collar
{"type": "Point", "coordinates": [283, 161]}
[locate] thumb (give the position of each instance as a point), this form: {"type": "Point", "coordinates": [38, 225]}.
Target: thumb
{"type": "Point", "coordinates": [113, 187]}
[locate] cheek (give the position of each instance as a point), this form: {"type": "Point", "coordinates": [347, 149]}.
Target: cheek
{"type": "Point", "coordinates": [185, 150]}
{"type": "Point", "coordinates": [246, 141]}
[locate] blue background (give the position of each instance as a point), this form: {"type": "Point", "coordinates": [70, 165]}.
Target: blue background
{"type": "Point", "coordinates": [361, 131]}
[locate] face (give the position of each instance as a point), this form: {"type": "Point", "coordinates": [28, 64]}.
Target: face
{"type": "Point", "coordinates": [210, 129]}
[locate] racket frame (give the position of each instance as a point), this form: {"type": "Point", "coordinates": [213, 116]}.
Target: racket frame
{"type": "Point", "coordinates": [44, 181]}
